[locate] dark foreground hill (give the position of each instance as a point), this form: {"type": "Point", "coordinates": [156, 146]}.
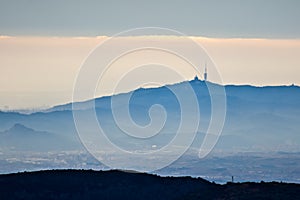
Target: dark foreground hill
{"type": "Point", "coordinates": [82, 184]}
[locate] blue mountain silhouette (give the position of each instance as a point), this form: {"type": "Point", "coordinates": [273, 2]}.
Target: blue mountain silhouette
{"type": "Point", "coordinates": [258, 118]}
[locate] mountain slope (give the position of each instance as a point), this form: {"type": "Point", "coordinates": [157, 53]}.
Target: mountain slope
{"type": "Point", "coordinates": [72, 184]}
{"type": "Point", "coordinates": [257, 119]}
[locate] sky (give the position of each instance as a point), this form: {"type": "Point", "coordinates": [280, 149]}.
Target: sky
{"type": "Point", "coordinates": [43, 43]}
{"type": "Point", "coordinates": [213, 18]}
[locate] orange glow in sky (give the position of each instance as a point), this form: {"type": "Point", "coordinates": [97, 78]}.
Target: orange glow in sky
{"type": "Point", "coordinates": [37, 71]}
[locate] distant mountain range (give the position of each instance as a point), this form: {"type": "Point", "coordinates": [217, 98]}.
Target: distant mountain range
{"type": "Point", "coordinates": [88, 184]}
{"type": "Point", "coordinates": [258, 119]}
{"type": "Point", "coordinates": [22, 138]}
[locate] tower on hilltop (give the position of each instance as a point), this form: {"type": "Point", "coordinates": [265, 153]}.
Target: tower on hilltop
{"type": "Point", "coordinates": [205, 74]}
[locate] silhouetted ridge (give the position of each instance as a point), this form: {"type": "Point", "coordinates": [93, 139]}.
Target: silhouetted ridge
{"type": "Point", "coordinates": [114, 184]}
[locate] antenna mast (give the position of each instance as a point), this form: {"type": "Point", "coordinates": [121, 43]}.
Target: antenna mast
{"type": "Point", "coordinates": [205, 73]}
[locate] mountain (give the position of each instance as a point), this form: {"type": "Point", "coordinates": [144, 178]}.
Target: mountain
{"type": "Point", "coordinates": [257, 118]}
{"type": "Point", "coordinates": [22, 138]}
{"type": "Point", "coordinates": [20, 130]}
{"type": "Point", "coordinates": [114, 184]}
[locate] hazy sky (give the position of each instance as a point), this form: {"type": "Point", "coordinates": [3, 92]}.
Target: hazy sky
{"type": "Point", "coordinates": [43, 43]}
{"type": "Point", "coordinates": [210, 18]}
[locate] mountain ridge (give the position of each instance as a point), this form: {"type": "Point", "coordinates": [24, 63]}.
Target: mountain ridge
{"type": "Point", "coordinates": [267, 116]}
{"type": "Point", "coordinates": [194, 81]}
{"type": "Point", "coordinates": [69, 104]}
{"type": "Point", "coordinates": [117, 184]}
